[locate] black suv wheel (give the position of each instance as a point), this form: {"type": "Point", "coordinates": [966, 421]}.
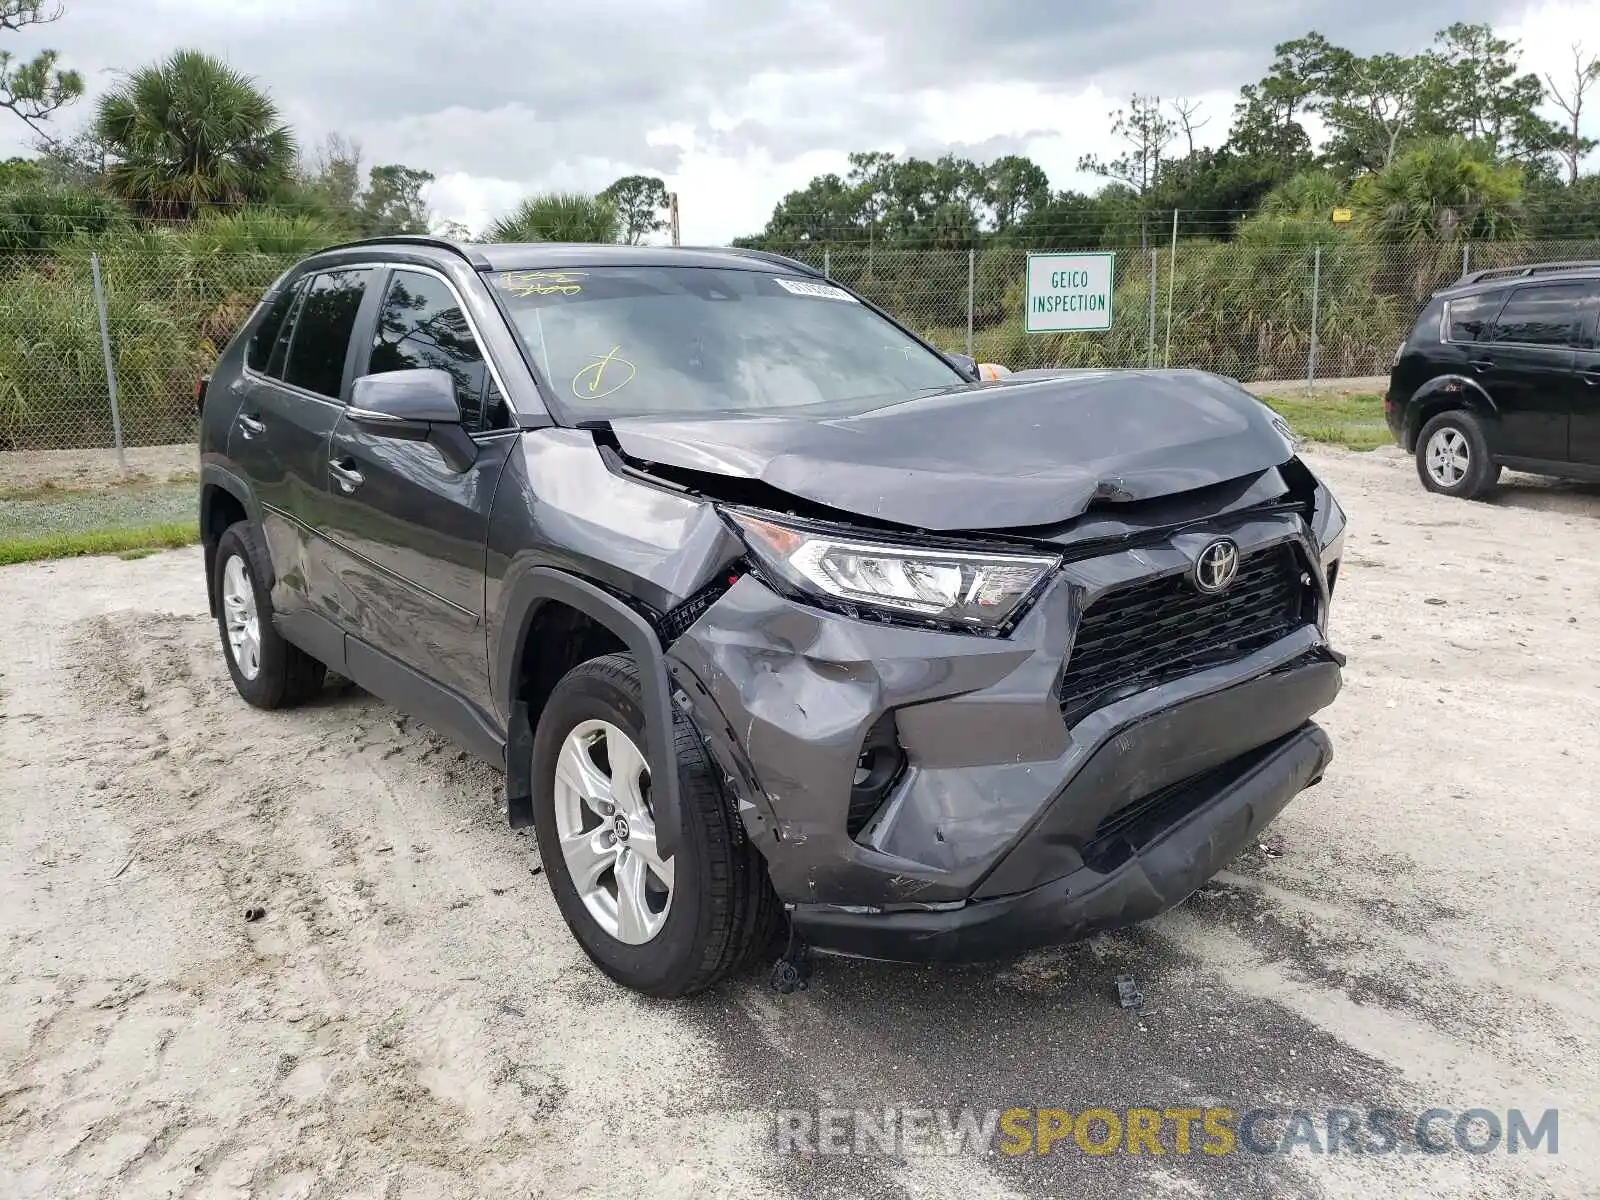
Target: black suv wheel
{"type": "Point", "coordinates": [267, 671]}
{"type": "Point", "coordinates": [665, 927]}
{"type": "Point", "coordinates": [1453, 456]}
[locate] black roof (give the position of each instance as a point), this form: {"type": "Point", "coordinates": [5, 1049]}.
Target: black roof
{"type": "Point", "coordinates": [1493, 278]}
{"type": "Point", "coordinates": [522, 256]}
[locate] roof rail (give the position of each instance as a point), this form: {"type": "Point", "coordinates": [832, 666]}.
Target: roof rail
{"type": "Point", "coordinates": [777, 260]}
{"type": "Point", "coordinates": [471, 253]}
{"type": "Point", "coordinates": [1530, 269]}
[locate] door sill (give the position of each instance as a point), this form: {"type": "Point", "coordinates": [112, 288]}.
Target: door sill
{"type": "Point", "coordinates": [1587, 472]}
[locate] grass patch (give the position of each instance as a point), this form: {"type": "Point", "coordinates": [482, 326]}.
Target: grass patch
{"type": "Point", "coordinates": [1352, 421]}
{"type": "Point", "coordinates": [130, 543]}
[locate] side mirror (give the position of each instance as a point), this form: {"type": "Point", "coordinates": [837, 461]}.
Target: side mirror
{"type": "Point", "coordinates": [964, 363]}
{"type": "Point", "coordinates": [414, 406]}
{"type": "Point", "coordinates": [388, 397]}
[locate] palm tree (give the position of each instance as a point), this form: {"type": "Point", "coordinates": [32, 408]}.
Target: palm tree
{"type": "Point", "coordinates": [191, 131]}
{"type": "Point", "coordinates": [1431, 200]}
{"type": "Point", "coordinates": [1440, 192]}
{"type": "Point", "coordinates": [558, 217]}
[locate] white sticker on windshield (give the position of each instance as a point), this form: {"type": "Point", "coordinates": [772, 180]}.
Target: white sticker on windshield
{"type": "Point", "coordinates": [823, 291]}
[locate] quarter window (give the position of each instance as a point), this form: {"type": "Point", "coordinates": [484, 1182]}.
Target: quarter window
{"type": "Point", "coordinates": [421, 326]}
{"type": "Point", "coordinates": [1472, 317]}
{"type": "Point", "coordinates": [259, 352]}
{"type": "Point", "coordinates": [322, 332]}
{"type": "Point", "coordinates": [1546, 315]}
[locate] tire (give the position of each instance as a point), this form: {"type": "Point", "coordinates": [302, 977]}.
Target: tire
{"type": "Point", "coordinates": [284, 675]}
{"type": "Point", "coordinates": [1453, 457]}
{"type": "Point", "coordinates": [721, 910]}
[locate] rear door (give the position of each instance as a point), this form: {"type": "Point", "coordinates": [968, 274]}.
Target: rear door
{"type": "Point", "coordinates": [295, 372]}
{"type": "Point", "coordinates": [1584, 445]}
{"type": "Point", "coordinates": [410, 530]}
{"type": "Point", "coordinates": [1527, 368]}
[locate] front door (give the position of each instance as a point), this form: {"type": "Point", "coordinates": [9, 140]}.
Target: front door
{"type": "Point", "coordinates": [289, 402]}
{"type": "Point", "coordinates": [410, 529]}
{"type": "Point", "coordinates": [1526, 368]}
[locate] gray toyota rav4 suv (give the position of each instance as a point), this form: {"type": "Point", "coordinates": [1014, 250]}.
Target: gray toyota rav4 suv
{"type": "Point", "coordinates": [788, 632]}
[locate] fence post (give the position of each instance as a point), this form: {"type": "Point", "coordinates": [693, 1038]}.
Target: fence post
{"type": "Point", "coordinates": [827, 263]}
{"type": "Point", "coordinates": [1150, 354]}
{"type": "Point", "coordinates": [1172, 283]}
{"type": "Point", "coordinates": [111, 369]}
{"type": "Point", "coordinates": [1466, 259]}
{"type": "Point", "coordinates": [1316, 296]}
{"type": "Point", "coordinates": [972, 279]}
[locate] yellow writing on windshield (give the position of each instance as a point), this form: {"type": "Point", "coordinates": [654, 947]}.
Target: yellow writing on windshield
{"type": "Point", "coordinates": [606, 374]}
{"type": "Point", "coordinates": [542, 283]}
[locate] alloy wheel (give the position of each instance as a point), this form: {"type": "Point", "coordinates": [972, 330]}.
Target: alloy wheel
{"type": "Point", "coordinates": [608, 832]}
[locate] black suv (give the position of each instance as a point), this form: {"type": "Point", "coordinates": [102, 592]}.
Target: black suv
{"type": "Point", "coordinates": [775, 617]}
{"type": "Point", "coordinates": [1502, 370]}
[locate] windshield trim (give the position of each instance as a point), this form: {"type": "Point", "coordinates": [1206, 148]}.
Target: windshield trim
{"type": "Point", "coordinates": [568, 419]}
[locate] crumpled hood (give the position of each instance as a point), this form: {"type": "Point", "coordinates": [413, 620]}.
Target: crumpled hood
{"type": "Point", "coordinates": [1009, 454]}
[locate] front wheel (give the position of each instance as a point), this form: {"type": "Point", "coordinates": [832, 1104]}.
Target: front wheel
{"type": "Point", "coordinates": [664, 926]}
{"type": "Point", "coordinates": [1453, 456]}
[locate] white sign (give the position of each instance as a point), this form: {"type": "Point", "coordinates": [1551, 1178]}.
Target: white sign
{"type": "Point", "coordinates": [1069, 293]}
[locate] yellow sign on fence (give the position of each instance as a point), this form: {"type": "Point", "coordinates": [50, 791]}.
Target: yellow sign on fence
{"type": "Point", "coordinates": [1342, 216]}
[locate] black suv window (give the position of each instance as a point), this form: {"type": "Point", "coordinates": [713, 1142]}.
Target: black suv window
{"type": "Point", "coordinates": [1541, 315]}
{"type": "Point", "coordinates": [259, 352]}
{"type": "Point", "coordinates": [1471, 317]}
{"type": "Point", "coordinates": [322, 332]}
{"type": "Point", "coordinates": [421, 325]}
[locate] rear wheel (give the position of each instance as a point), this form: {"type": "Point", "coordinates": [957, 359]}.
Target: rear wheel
{"type": "Point", "coordinates": [1453, 456]}
{"type": "Point", "coordinates": [267, 671]}
{"type": "Point", "coordinates": [666, 927]}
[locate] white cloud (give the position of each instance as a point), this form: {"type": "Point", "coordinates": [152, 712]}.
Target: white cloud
{"type": "Point", "coordinates": [736, 102]}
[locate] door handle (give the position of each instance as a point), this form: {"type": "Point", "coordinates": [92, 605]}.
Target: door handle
{"type": "Point", "coordinates": [250, 427]}
{"type": "Point", "coordinates": [1592, 378]}
{"type": "Point", "coordinates": [1482, 364]}
{"type": "Point", "coordinates": [349, 478]}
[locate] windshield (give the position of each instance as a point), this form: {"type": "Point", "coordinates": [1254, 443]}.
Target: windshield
{"type": "Point", "coordinates": [700, 341]}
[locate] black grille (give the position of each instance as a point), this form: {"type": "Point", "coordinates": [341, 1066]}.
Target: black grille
{"type": "Point", "coordinates": [1138, 636]}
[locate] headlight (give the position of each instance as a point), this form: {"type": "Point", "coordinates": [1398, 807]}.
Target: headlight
{"type": "Point", "coordinates": [958, 587]}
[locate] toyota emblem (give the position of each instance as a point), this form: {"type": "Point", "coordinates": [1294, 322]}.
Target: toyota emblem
{"type": "Point", "coordinates": [1217, 565]}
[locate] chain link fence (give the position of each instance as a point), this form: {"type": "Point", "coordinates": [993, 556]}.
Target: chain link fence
{"type": "Point", "coordinates": [1251, 311]}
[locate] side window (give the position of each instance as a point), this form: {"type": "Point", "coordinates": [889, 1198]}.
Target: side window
{"type": "Point", "coordinates": [322, 332]}
{"type": "Point", "coordinates": [1544, 315]}
{"type": "Point", "coordinates": [1470, 317]}
{"type": "Point", "coordinates": [259, 352]}
{"type": "Point", "coordinates": [280, 344]}
{"type": "Point", "coordinates": [421, 325]}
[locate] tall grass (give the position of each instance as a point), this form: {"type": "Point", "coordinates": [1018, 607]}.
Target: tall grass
{"type": "Point", "coordinates": [175, 296]}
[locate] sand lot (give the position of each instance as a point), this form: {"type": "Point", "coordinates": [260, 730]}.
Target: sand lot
{"type": "Point", "coordinates": [410, 1018]}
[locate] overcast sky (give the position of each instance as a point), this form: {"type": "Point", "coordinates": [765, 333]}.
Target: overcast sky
{"type": "Point", "coordinates": [735, 102]}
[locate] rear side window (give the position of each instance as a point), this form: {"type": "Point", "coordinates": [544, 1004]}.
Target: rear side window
{"type": "Point", "coordinates": [421, 325]}
{"type": "Point", "coordinates": [259, 351]}
{"type": "Point", "coordinates": [322, 332]}
{"type": "Point", "coordinates": [1542, 315]}
{"type": "Point", "coordinates": [1471, 318]}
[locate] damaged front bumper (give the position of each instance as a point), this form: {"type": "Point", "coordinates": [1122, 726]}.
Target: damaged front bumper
{"type": "Point", "coordinates": [1008, 822]}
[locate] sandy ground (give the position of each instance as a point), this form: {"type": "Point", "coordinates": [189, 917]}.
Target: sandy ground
{"type": "Point", "coordinates": [26, 470]}
{"type": "Point", "coordinates": [408, 1017]}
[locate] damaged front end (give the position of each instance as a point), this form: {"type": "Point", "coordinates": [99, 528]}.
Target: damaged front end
{"type": "Point", "coordinates": [1061, 750]}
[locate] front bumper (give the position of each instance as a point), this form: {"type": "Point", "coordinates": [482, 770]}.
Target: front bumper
{"type": "Point", "coordinates": [1211, 821]}
{"type": "Point", "coordinates": [1000, 799]}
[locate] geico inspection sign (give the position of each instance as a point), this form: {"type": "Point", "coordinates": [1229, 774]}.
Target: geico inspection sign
{"type": "Point", "coordinates": [1069, 293]}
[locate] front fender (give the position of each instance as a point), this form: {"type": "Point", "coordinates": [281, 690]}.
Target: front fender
{"type": "Point", "coordinates": [541, 585]}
